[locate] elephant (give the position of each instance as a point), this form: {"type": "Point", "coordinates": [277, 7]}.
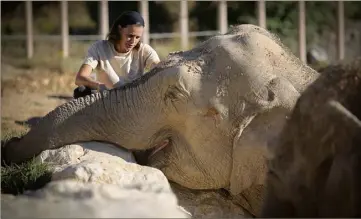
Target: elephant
{"type": "Point", "coordinates": [203, 116]}
{"type": "Point", "coordinates": [315, 171]}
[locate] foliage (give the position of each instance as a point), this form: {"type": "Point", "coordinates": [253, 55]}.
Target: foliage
{"type": "Point", "coordinates": [31, 175]}
{"type": "Point", "coordinates": [16, 179]}
{"type": "Point", "coordinates": [282, 18]}
{"type": "Point", "coordinates": [46, 18]}
{"type": "Point", "coordinates": [320, 14]}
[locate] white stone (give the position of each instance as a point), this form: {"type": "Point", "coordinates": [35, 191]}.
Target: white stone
{"type": "Point", "coordinates": [101, 163]}
{"type": "Point", "coordinates": [208, 204]}
{"type": "Point", "coordinates": [70, 198]}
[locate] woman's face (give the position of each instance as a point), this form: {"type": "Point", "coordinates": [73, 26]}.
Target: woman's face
{"type": "Point", "coordinates": [130, 37]}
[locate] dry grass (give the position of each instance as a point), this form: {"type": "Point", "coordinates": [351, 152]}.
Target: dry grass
{"type": "Point", "coordinates": [16, 179]}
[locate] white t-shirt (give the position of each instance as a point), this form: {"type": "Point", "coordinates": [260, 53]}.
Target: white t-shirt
{"type": "Point", "coordinates": [114, 68]}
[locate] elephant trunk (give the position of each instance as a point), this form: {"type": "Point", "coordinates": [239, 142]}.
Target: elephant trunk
{"type": "Point", "coordinates": [127, 116]}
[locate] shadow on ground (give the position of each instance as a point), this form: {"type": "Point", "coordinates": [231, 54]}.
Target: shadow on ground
{"type": "Point", "coordinates": [30, 122]}
{"type": "Point", "coordinates": [61, 97]}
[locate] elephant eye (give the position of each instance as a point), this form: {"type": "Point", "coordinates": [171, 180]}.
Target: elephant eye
{"type": "Point", "coordinates": [176, 95]}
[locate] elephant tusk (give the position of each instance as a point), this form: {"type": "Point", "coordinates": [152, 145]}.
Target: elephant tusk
{"type": "Point", "coordinates": [159, 147]}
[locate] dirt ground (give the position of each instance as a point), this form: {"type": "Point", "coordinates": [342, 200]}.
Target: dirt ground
{"type": "Point", "coordinates": [27, 94]}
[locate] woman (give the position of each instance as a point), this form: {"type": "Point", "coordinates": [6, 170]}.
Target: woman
{"type": "Point", "coordinates": [117, 60]}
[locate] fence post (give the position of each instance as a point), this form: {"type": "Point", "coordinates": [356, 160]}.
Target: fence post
{"type": "Point", "coordinates": [65, 28]}
{"type": "Point", "coordinates": [29, 29]}
{"type": "Point", "coordinates": [144, 10]}
{"type": "Point", "coordinates": [302, 30]}
{"type": "Point", "coordinates": [104, 18]}
{"type": "Point", "coordinates": [183, 21]}
{"type": "Point", "coordinates": [340, 30]}
{"type": "Point", "coordinates": [261, 12]}
{"type": "Point", "coordinates": [222, 16]}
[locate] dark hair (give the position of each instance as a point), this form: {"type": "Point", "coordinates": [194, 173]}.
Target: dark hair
{"type": "Point", "coordinates": [125, 19]}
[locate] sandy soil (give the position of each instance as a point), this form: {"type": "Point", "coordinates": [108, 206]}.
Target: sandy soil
{"type": "Point", "coordinates": [29, 94]}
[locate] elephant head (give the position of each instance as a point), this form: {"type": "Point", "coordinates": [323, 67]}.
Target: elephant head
{"type": "Point", "coordinates": [205, 114]}
{"type": "Point", "coordinates": [315, 171]}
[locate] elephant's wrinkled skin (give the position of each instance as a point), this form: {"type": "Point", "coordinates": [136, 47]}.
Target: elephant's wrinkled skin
{"type": "Point", "coordinates": [218, 103]}
{"type": "Point", "coordinates": [317, 163]}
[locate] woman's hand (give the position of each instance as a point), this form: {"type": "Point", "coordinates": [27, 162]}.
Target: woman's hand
{"type": "Point", "coordinates": [83, 78]}
{"type": "Point", "coordinates": [101, 87]}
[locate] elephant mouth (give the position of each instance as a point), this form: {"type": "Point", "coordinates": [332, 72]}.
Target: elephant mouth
{"type": "Point", "coordinates": [159, 146]}
{"type": "Point", "coordinates": [142, 157]}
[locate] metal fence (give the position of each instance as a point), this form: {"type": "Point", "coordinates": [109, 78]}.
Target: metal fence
{"type": "Point", "coordinates": [184, 34]}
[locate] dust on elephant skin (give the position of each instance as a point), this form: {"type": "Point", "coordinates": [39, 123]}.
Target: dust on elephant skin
{"type": "Point", "coordinates": [316, 168]}
{"type": "Point", "coordinates": [218, 104]}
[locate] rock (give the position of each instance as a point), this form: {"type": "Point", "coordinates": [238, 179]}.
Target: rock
{"type": "Point", "coordinates": [70, 198]}
{"type": "Point", "coordinates": [208, 204]}
{"type": "Point", "coordinates": [45, 81]}
{"type": "Point", "coordinates": [101, 163]}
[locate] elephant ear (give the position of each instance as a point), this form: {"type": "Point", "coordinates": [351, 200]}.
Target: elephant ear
{"type": "Point", "coordinates": [250, 151]}
{"type": "Point", "coordinates": [251, 148]}
{"type": "Point", "coordinates": [250, 154]}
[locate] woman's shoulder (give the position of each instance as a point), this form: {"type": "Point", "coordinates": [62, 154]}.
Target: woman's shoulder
{"type": "Point", "coordinates": [146, 49]}
{"type": "Point", "coordinates": [100, 44]}
{"type": "Point", "coordinates": [145, 46]}
{"type": "Point", "coordinates": [102, 48]}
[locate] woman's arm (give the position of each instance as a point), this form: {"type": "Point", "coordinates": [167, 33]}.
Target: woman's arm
{"type": "Point", "coordinates": [90, 62]}
{"type": "Point", "coordinates": [83, 78]}
{"type": "Point", "coordinates": [153, 63]}
{"type": "Point", "coordinates": [151, 57]}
